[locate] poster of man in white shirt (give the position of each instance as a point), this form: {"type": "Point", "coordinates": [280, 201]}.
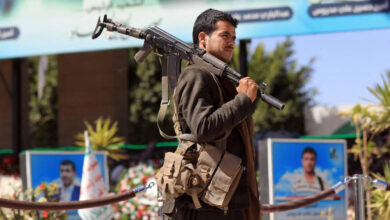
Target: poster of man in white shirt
{"type": "Point", "coordinates": [310, 182]}
{"type": "Point", "coordinates": [296, 168]}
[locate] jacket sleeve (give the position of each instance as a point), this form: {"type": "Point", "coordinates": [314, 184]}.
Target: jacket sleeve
{"type": "Point", "coordinates": [197, 96]}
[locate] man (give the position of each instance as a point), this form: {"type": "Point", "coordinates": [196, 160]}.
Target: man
{"type": "Point", "coordinates": [310, 183]}
{"type": "Point", "coordinates": [197, 101]}
{"type": "Point", "coordinates": [69, 188]}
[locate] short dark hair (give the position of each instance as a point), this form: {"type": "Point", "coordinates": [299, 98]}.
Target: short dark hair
{"type": "Point", "coordinates": [69, 162]}
{"type": "Point", "coordinates": [206, 21]}
{"type": "Point", "coordinates": [309, 150]}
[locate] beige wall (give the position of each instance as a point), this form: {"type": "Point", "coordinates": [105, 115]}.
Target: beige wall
{"type": "Point", "coordinates": [324, 120]}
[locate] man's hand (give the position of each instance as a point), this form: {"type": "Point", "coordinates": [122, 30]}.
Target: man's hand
{"type": "Point", "coordinates": [248, 87]}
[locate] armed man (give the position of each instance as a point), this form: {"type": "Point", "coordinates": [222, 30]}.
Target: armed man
{"type": "Point", "coordinates": [202, 113]}
{"type": "Point", "coordinates": [212, 173]}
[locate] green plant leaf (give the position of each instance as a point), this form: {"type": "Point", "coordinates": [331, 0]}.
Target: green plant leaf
{"type": "Point", "coordinates": [103, 137]}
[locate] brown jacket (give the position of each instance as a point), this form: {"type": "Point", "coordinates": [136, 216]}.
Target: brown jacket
{"type": "Point", "coordinates": [197, 102]}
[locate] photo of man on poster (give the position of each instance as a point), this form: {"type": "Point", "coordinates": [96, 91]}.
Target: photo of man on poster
{"type": "Point", "coordinates": [68, 182]}
{"type": "Point", "coordinates": [303, 168]}
{"type": "Point", "coordinates": [310, 181]}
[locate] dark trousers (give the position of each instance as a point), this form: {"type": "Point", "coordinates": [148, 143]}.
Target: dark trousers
{"type": "Point", "coordinates": [186, 213]}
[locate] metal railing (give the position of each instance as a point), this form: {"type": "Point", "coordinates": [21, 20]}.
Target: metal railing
{"type": "Point", "coordinates": [358, 183]}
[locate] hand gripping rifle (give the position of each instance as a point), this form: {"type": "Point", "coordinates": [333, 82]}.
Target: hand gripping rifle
{"type": "Point", "coordinates": [173, 50]}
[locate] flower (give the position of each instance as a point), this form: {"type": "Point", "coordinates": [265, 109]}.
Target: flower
{"type": "Point", "coordinates": [42, 199]}
{"type": "Point", "coordinates": [45, 214]}
{"type": "Point", "coordinates": [8, 165]}
{"type": "Point", "coordinates": [7, 161]}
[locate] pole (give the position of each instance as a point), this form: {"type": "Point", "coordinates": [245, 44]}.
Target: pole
{"type": "Point", "coordinates": [243, 57]}
{"type": "Point", "coordinates": [358, 188]}
{"type": "Point", "coordinates": [16, 105]}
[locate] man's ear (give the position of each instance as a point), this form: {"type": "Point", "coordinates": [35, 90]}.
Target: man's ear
{"type": "Point", "coordinates": [202, 37]}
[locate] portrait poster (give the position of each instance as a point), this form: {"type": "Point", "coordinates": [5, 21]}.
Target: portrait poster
{"type": "Point", "coordinates": [44, 166]}
{"type": "Point", "coordinates": [299, 168]}
{"type": "Point", "coordinates": [59, 167]}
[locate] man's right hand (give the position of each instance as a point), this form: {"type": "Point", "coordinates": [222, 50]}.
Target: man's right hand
{"type": "Point", "coordinates": [248, 87]}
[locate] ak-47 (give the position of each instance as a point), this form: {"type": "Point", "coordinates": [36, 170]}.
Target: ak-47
{"type": "Point", "coordinates": [173, 51]}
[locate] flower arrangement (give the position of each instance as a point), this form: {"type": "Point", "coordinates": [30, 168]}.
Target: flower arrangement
{"type": "Point", "coordinates": [43, 193]}
{"type": "Point", "coordinates": [145, 204]}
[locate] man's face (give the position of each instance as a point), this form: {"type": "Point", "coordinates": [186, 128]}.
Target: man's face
{"type": "Point", "coordinates": [67, 174]}
{"type": "Point", "coordinates": [308, 162]}
{"type": "Point", "coordinates": [221, 41]}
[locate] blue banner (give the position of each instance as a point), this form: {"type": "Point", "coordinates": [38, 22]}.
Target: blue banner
{"type": "Point", "coordinates": [30, 28]}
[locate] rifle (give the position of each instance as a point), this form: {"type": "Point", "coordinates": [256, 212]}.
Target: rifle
{"type": "Point", "coordinates": [173, 51]}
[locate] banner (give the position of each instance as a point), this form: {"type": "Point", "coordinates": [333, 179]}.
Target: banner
{"type": "Point", "coordinates": [93, 187]}
{"type": "Point", "coordinates": [31, 28]}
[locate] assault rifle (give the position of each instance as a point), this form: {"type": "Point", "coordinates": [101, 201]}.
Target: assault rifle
{"type": "Point", "coordinates": [173, 51]}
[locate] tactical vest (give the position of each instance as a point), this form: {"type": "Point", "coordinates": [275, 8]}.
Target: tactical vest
{"type": "Point", "coordinates": [203, 171]}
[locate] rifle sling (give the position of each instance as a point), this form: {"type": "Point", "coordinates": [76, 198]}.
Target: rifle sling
{"type": "Point", "coordinates": [165, 103]}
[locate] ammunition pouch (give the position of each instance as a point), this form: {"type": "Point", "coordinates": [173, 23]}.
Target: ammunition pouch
{"type": "Point", "coordinates": [224, 182]}
{"type": "Point", "coordinates": [205, 173]}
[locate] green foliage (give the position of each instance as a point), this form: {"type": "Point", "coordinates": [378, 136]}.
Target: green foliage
{"type": "Point", "coordinates": [381, 199]}
{"type": "Point", "coordinates": [364, 148]}
{"type": "Point", "coordinates": [44, 111]}
{"type": "Point", "coordinates": [103, 137]}
{"type": "Point", "coordinates": [285, 80]}
{"type": "Point", "coordinates": [369, 122]}
{"type": "Point", "coordinates": [144, 100]}
{"type": "Point", "coordinates": [364, 118]}
{"type": "Point", "coordinates": [381, 121]}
